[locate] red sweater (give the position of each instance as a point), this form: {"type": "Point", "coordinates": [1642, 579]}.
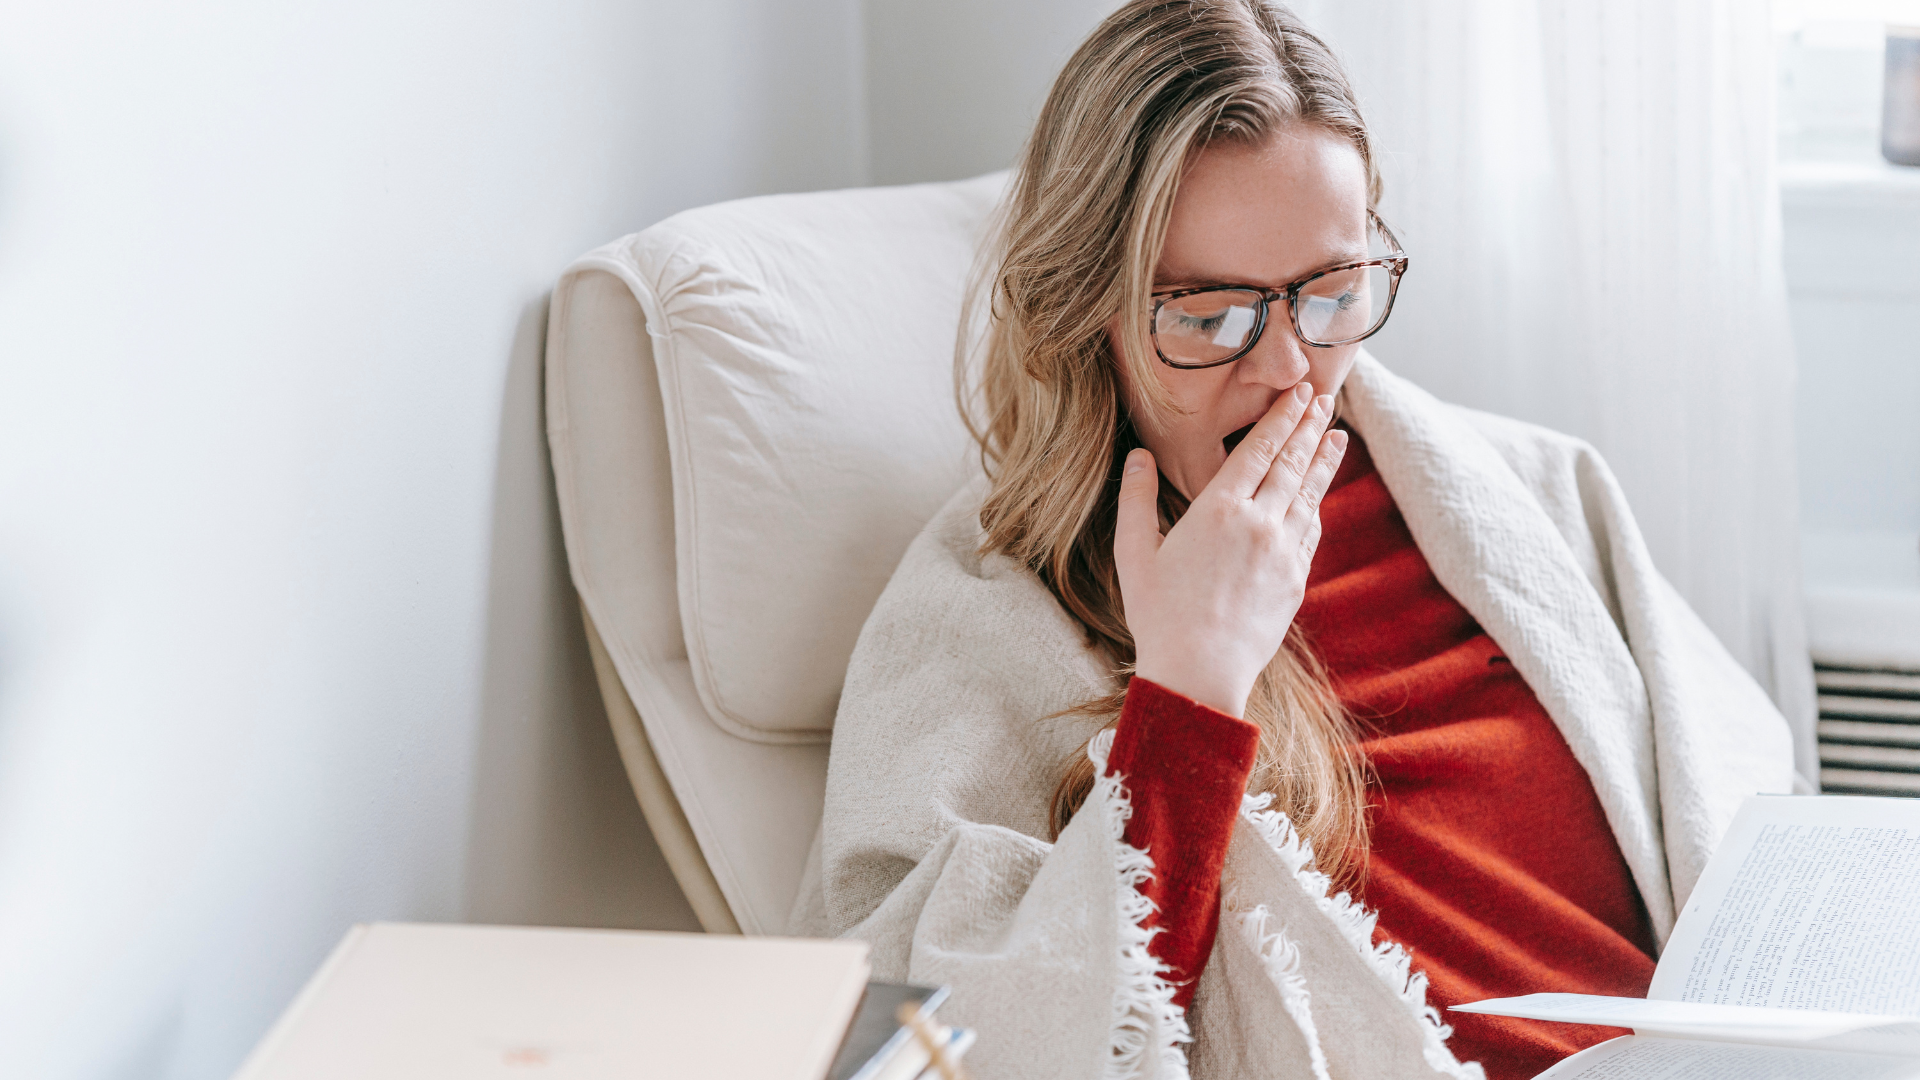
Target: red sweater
{"type": "Point", "coordinates": [1491, 859]}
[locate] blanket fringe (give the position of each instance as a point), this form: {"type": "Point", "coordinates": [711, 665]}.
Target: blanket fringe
{"type": "Point", "coordinates": [1282, 960]}
{"type": "Point", "coordinates": [1386, 959]}
{"type": "Point", "coordinates": [1145, 1019]}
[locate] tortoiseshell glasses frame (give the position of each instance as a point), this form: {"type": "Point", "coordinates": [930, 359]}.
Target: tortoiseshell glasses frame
{"type": "Point", "coordinates": [1395, 264]}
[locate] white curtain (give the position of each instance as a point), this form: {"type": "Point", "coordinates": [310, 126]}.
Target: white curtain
{"type": "Point", "coordinates": [1588, 194]}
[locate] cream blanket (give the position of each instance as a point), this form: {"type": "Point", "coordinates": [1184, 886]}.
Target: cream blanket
{"type": "Point", "coordinates": [932, 846]}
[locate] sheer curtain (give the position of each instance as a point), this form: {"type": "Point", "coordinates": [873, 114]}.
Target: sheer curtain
{"type": "Point", "coordinates": [1588, 194]}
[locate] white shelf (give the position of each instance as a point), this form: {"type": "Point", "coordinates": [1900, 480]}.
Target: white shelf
{"type": "Point", "coordinates": [1848, 183]}
{"type": "Point", "coordinates": [1864, 627]}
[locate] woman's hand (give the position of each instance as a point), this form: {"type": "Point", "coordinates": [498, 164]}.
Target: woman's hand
{"type": "Point", "coordinates": [1209, 603]}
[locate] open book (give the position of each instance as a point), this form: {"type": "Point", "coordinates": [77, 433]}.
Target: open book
{"type": "Point", "coordinates": [1797, 957]}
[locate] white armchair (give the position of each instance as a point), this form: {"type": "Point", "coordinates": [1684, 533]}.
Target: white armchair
{"type": "Point", "coordinates": [751, 412]}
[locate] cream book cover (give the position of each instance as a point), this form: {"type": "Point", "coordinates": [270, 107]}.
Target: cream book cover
{"type": "Point", "coordinates": [402, 1001]}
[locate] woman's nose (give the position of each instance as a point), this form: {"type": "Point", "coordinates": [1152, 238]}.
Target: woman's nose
{"type": "Point", "coordinates": [1278, 359]}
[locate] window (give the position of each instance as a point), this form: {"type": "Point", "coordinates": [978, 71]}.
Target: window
{"type": "Point", "coordinates": [1832, 58]}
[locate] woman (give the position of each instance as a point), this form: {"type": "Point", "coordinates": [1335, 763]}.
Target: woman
{"type": "Point", "coordinates": [1240, 627]}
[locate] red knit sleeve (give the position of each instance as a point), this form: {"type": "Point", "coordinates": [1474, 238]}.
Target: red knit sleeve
{"type": "Point", "coordinates": [1185, 767]}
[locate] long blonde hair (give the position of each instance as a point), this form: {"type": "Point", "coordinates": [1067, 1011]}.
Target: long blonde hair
{"type": "Point", "coordinates": [1077, 243]}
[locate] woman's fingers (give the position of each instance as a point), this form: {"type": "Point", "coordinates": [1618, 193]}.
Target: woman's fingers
{"type": "Point", "coordinates": [1247, 467]}
{"type": "Point", "coordinates": [1303, 514]}
{"type": "Point", "coordinates": [1136, 532]}
{"type": "Point", "coordinates": [1296, 456]}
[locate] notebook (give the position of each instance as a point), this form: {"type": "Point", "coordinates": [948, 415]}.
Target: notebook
{"type": "Point", "coordinates": [442, 1002]}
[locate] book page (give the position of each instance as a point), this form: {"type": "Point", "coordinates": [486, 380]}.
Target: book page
{"type": "Point", "coordinates": [1812, 1028]}
{"type": "Point", "coordinates": [1641, 1057]}
{"type": "Point", "coordinates": [1809, 903]}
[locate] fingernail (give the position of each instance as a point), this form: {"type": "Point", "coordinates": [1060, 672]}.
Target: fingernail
{"type": "Point", "coordinates": [1303, 391]}
{"type": "Point", "coordinates": [1338, 440]}
{"type": "Point", "coordinates": [1323, 405]}
{"type": "Point", "coordinates": [1136, 460]}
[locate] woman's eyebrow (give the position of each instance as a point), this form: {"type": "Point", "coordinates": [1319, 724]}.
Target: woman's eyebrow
{"type": "Point", "coordinates": [1189, 279]}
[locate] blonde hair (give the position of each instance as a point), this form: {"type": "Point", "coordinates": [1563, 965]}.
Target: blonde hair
{"type": "Point", "coordinates": [1077, 242]}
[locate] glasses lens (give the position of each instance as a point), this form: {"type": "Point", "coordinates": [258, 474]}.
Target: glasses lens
{"type": "Point", "coordinates": [1207, 327]}
{"type": "Point", "coordinates": [1344, 305]}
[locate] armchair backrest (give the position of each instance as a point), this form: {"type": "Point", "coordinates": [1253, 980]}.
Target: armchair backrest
{"type": "Point", "coordinates": [751, 412]}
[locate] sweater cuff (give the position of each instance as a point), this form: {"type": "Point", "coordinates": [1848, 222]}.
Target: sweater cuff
{"type": "Point", "coordinates": [1186, 768]}
{"type": "Point", "coordinates": [1168, 738]}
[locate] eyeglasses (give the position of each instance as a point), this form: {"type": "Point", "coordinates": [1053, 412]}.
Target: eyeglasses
{"type": "Point", "coordinates": [1217, 324]}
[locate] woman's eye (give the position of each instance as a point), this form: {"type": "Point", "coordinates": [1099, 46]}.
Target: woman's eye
{"type": "Point", "coordinates": [1204, 324]}
{"type": "Point", "coordinates": [1223, 324]}
{"type": "Point", "coordinates": [1341, 302]}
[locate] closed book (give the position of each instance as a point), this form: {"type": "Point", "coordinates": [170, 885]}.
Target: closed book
{"type": "Point", "coordinates": [876, 1033]}
{"type": "Point", "coordinates": [438, 1002]}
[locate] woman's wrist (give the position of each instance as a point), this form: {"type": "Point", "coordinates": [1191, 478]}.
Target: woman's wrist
{"type": "Point", "coordinates": [1212, 689]}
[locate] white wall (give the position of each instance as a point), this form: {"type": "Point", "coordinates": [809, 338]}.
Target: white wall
{"type": "Point", "coordinates": [954, 87]}
{"type": "Point", "coordinates": [1851, 229]}
{"type": "Point", "coordinates": [285, 637]}
{"type": "Point", "coordinates": [1851, 232]}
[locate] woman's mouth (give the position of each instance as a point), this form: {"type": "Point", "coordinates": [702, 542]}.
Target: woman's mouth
{"type": "Point", "coordinates": [1233, 438]}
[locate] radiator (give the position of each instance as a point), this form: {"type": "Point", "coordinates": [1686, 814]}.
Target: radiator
{"type": "Point", "coordinates": [1869, 731]}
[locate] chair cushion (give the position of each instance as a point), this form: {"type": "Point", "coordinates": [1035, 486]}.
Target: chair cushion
{"type": "Point", "coordinates": [805, 353]}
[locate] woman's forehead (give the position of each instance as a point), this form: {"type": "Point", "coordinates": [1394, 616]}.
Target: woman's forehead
{"type": "Point", "coordinates": [1268, 213]}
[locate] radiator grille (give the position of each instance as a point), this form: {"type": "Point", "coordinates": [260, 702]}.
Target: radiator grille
{"type": "Point", "coordinates": [1869, 731]}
